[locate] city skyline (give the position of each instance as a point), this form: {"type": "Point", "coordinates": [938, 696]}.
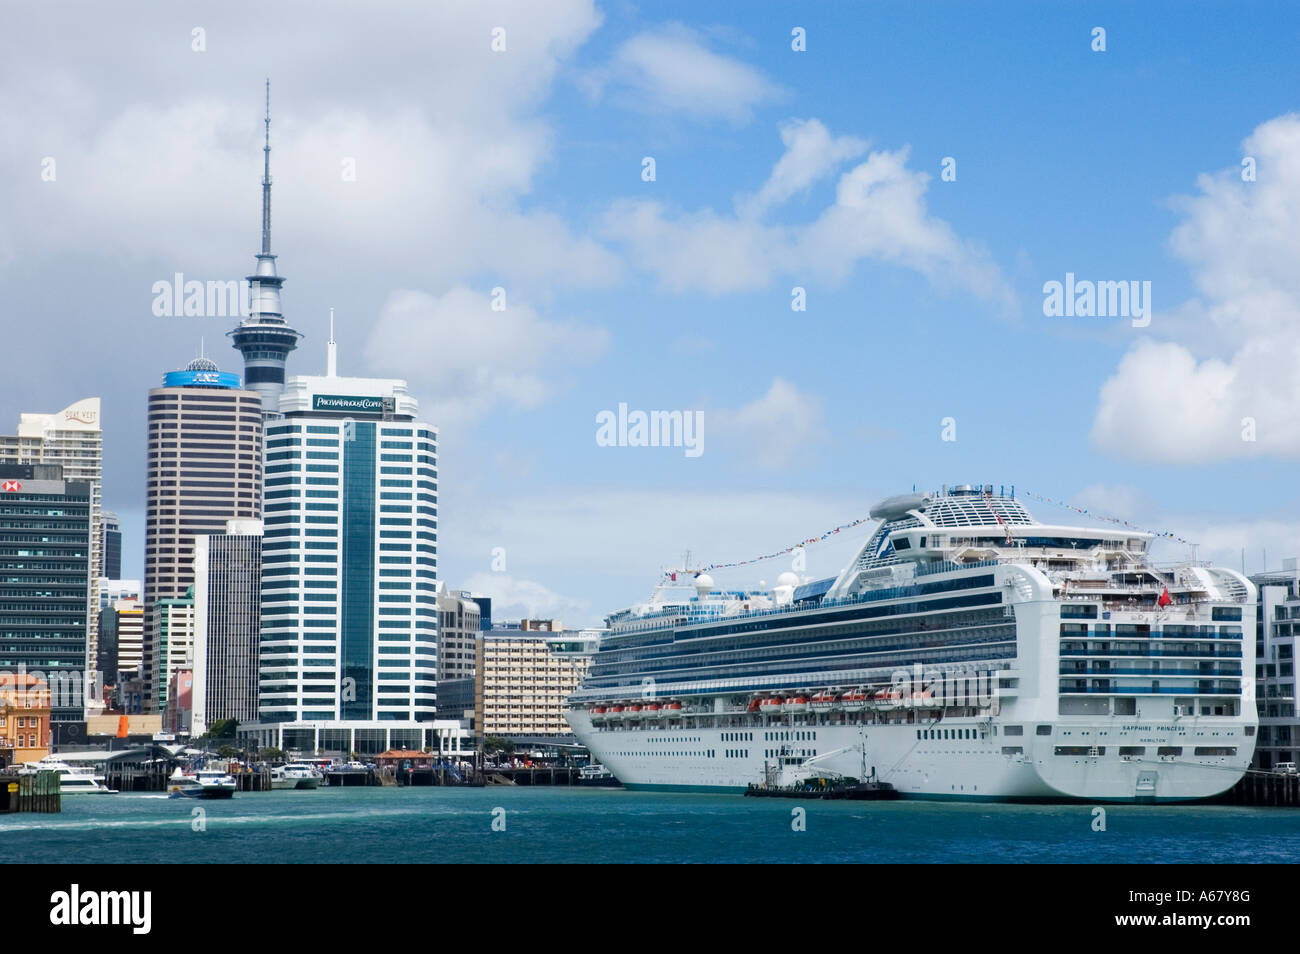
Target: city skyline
{"type": "Point", "coordinates": [524, 170]}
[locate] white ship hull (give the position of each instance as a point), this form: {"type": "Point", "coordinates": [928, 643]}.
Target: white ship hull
{"type": "Point", "coordinates": [973, 768]}
{"type": "Point", "coordinates": [967, 652]}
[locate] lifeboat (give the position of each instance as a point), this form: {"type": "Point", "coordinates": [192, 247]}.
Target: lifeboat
{"type": "Point", "coordinates": [886, 699]}
{"type": "Point", "coordinates": [822, 702]}
{"type": "Point", "coordinates": [854, 701]}
{"type": "Point", "coordinates": [795, 704]}
{"type": "Point", "coordinates": [771, 706]}
{"type": "Point", "coordinates": [596, 713]}
{"type": "Point", "coordinates": [754, 705]}
{"type": "Point", "coordinates": [616, 710]}
{"type": "Point", "coordinates": [651, 710]}
{"type": "Point", "coordinates": [634, 711]}
{"type": "Point", "coordinates": [672, 708]}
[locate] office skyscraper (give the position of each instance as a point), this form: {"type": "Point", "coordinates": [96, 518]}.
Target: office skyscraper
{"type": "Point", "coordinates": [204, 468]}
{"type": "Point", "coordinates": [264, 338]}
{"type": "Point", "coordinates": [74, 439]}
{"type": "Point", "coordinates": [110, 545]}
{"type": "Point", "coordinates": [45, 574]}
{"type": "Point", "coordinates": [349, 647]}
{"type": "Point", "coordinates": [227, 622]}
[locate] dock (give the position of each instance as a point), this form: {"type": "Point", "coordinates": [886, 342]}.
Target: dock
{"type": "Point", "coordinates": [1264, 789]}
{"type": "Point", "coordinates": [31, 793]}
{"type": "Point", "coordinates": [534, 775]}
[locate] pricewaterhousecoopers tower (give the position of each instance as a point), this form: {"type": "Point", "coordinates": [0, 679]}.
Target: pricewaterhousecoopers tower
{"type": "Point", "coordinates": [264, 338]}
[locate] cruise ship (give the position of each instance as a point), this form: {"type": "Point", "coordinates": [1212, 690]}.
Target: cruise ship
{"type": "Point", "coordinates": [967, 651]}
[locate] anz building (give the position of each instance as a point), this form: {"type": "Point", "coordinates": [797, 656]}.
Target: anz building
{"type": "Point", "coordinates": [349, 641]}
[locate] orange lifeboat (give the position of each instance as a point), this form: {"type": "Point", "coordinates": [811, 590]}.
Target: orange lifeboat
{"type": "Point", "coordinates": [822, 701]}
{"type": "Point", "coordinates": [887, 699]}
{"type": "Point", "coordinates": [854, 701]}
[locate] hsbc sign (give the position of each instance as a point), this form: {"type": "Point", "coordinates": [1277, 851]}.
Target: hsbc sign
{"type": "Point", "coordinates": [11, 486]}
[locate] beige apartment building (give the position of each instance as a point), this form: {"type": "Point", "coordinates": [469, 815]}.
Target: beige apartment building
{"type": "Point", "coordinates": [523, 676]}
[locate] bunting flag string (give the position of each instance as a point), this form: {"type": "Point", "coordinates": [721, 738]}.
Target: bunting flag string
{"type": "Point", "coordinates": [789, 549]}
{"type": "Point", "coordinates": [1166, 534]}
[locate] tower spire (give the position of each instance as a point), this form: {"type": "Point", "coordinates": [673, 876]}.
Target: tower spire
{"type": "Point", "coordinates": [266, 177]}
{"type": "Point", "coordinates": [331, 352]}
{"type": "Point", "coordinates": [264, 338]}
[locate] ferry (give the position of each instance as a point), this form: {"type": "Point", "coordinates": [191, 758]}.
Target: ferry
{"type": "Point", "coordinates": [78, 780]}
{"type": "Point", "coordinates": [296, 775]}
{"type": "Point", "coordinates": [968, 651]}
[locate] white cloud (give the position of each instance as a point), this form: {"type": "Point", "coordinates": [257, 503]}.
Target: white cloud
{"type": "Point", "coordinates": [1112, 500]}
{"type": "Point", "coordinates": [607, 545]}
{"type": "Point", "coordinates": [672, 69]}
{"type": "Point", "coordinates": [1184, 401]}
{"type": "Point", "coordinates": [445, 135]}
{"type": "Point", "coordinates": [1263, 543]}
{"type": "Point", "coordinates": [879, 214]}
{"type": "Point", "coordinates": [527, 599]}
{"type": "Point", "coordinates": [775, 430]}
{"type": "Point", "coordinates": [811, 154]}
{"type": "Point", "coordinates": [462, 358]}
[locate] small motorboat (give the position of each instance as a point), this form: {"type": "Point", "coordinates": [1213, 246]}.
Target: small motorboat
{"type": "Point", "coordinates": [201, 783]}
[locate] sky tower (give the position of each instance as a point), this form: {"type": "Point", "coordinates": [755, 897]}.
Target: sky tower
{"type": "Point", "coordinates": [264, 338]}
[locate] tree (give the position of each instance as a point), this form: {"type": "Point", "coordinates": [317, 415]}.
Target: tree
{"type": "Point", "coordinates": [270, 754]}
{"type": "Point", "coordinates": [227, 752]}
{"type": "Point", "coordinates": [223, 729]}
{"type": "Point", "coordinates": [495, 745]}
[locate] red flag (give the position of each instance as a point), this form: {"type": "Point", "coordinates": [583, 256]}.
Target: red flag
{"type": "Point", "coordinates": [122, 723]}
{"type": "Point", "coordinates": [1165, 599]}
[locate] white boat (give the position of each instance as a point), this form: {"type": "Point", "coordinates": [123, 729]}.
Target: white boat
{"type": "Point", "coordinates": [596, 775]}
{"type": "Point", "coordinates": [78, 780]}
{"type": "Point", "coordinates": [995, 657]}
{"type": "Point", "coordinates": [296, 775]}
{"type": "Point", "coordinates": [201, 783]}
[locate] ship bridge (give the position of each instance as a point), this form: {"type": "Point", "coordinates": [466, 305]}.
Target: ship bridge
{"type": "Point", "coordinates": [967, 524]}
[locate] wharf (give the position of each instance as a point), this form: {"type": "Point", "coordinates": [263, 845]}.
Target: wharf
{"type": "Point", "coordinates": [154, 776]}
{"type": "Point", "coordinates": [1263, 788]}
{"type": "Point", "coordinates": [31, 793]}
{"type": "Point", "coordinates": [337, 778]}
{"type": "Point", "coordinates": [534, 775]}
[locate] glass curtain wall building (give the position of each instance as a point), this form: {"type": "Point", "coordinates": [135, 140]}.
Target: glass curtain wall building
{"type": "Point", "coordinates": [349, 634]}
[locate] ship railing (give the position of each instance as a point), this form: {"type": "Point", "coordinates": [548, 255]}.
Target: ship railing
{"type": "Point", "coordinates": [872, 596]}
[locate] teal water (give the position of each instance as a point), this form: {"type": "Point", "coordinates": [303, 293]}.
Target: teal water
{"type": "Point", "coordinates": [612, 825]}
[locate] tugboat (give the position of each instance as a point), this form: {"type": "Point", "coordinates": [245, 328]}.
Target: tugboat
{"type": "Point", "coordinates": [795, 776]}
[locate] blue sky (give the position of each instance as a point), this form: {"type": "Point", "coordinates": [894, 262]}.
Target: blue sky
{"type": "Point", "coordinates": [774, 169]}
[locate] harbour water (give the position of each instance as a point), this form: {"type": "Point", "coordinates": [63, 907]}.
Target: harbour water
{"type": "Point", "coordinates": [541, 825]}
